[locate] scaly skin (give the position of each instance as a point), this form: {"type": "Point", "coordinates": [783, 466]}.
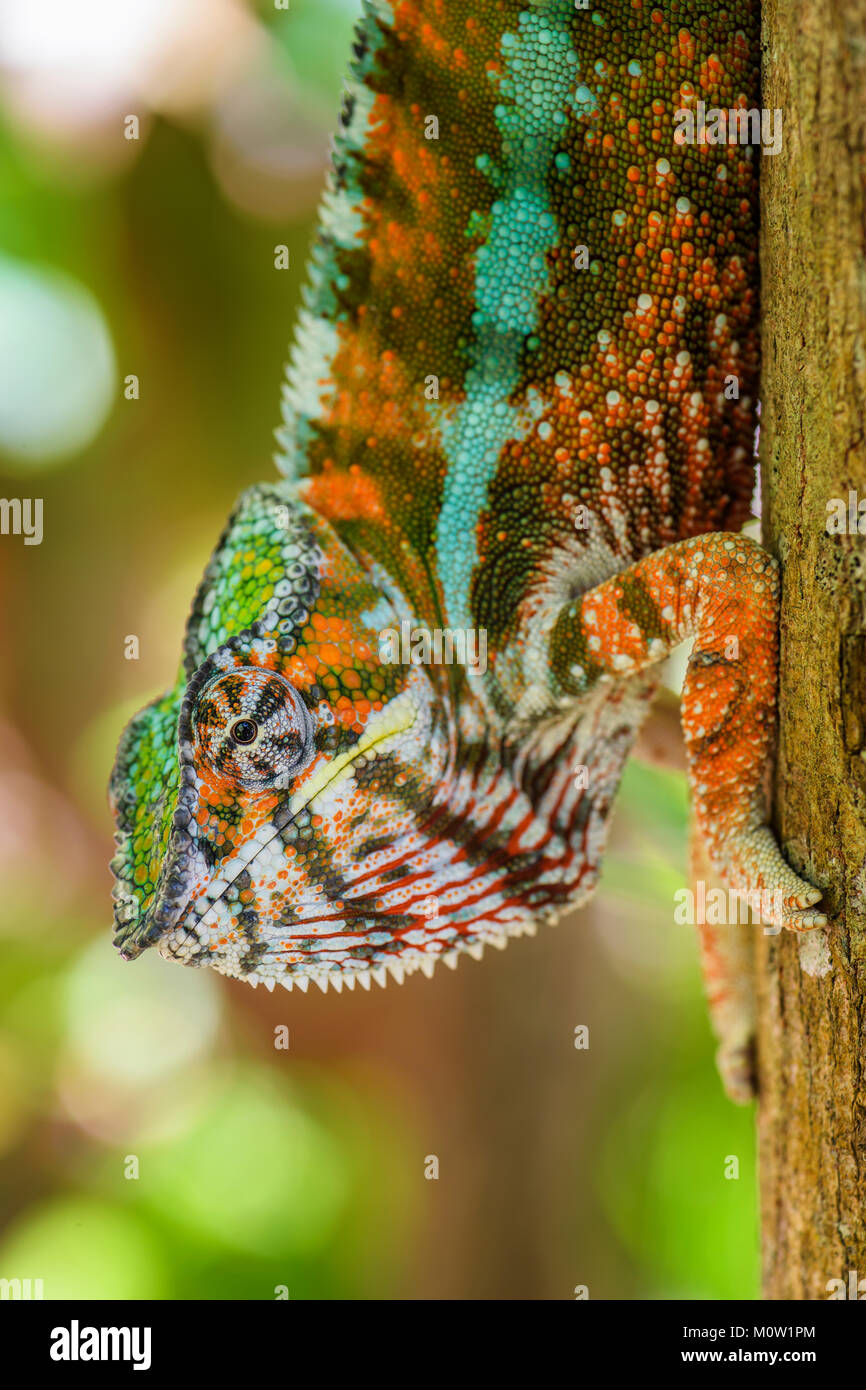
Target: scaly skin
{"type": "Point", "coordinates": [478, 435]}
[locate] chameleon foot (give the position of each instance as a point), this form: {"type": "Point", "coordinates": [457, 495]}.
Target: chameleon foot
{"type": "Point", "coordinates": [776, 894]}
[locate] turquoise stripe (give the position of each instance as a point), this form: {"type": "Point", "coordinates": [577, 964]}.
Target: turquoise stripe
{"type": "Point", "coordinates": [540, 70]}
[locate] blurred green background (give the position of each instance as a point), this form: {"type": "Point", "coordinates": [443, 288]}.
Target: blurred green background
{"type": "Point", "coordinates": [154, 1142]}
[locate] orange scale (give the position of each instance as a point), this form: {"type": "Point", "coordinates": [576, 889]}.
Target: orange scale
{"type": "Point", "coordinates": [329, 655]}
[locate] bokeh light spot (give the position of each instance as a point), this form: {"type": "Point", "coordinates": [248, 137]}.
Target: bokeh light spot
{"type": "Point", "coordinates": [138, 1023]}
{"type": "Point", "coordinates": [57, 370]}
{"type": "Point", "coordinates": [260, 1173]}
{"type": "Point", "coordinates": [83, 1249]}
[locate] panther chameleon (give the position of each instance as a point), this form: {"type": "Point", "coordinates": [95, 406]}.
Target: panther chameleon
{"type": "Point", "coordinates": [507, 410]}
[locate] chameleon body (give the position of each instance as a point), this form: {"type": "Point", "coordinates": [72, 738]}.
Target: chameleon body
{"type": "Point", "coordinates": [505, 413]}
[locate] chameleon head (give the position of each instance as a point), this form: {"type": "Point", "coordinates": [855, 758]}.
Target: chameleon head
{"type": "Point", "coordinates": [271, 808]}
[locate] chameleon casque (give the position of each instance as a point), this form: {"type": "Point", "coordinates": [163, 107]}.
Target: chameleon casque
{"type": "Point", "coordinates": [478, 435]}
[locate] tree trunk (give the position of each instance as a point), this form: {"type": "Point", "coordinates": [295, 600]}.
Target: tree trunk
{"type": "Point", "coordinates": [812, 989]}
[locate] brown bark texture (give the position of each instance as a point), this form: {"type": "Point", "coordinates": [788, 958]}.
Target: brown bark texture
{"type": "Point", "coordinates": [812, 988]}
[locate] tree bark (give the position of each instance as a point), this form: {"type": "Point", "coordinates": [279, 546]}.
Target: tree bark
{"type": "Point", "coordinates": [812, 989]}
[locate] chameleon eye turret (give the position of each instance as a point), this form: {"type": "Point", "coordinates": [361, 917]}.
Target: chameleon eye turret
{"type": "Point", "coordinates": [253, 729]}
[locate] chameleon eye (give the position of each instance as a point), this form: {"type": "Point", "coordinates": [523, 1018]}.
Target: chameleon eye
{"type": "Point", "coordinates": [252, 727]}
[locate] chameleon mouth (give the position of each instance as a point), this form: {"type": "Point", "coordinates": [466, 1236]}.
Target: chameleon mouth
{"type": "Point", "coordinates": [180, 917]}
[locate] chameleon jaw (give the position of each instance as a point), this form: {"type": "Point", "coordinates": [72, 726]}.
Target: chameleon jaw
{"type": "Point", "coordinates": [368, 922]}
{"type": "Point", "coordinates": [399, 971]}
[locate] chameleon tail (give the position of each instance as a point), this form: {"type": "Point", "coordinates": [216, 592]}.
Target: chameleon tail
{"type": "Point", "coordinates": [728, 969]}
{"type": "Point", "coordinates": [726, 952]}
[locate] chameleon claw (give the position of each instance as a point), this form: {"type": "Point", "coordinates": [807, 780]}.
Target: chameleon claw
{"type": "Point", "coordinates": [813, 895]}
{"type": "Point", "coordinates": [806, 921]}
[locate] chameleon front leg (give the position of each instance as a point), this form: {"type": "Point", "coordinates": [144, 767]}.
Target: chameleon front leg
{"type": "Point", "coordinates": [721, 589]}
